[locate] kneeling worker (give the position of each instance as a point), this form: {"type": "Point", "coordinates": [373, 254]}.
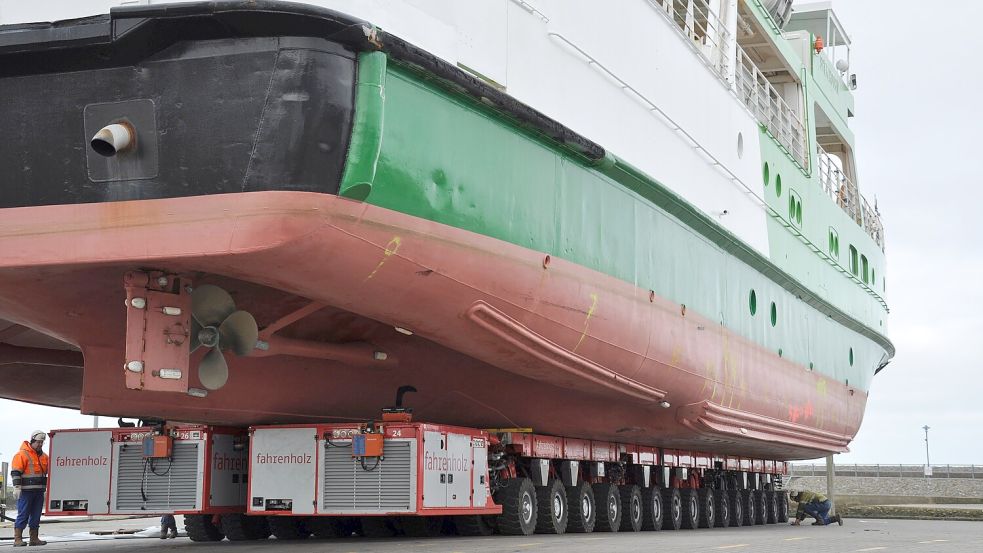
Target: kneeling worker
{"type": "Point", "coordinates": [815, 505]}
{"type": "Point", "coordinates": [29, 471]}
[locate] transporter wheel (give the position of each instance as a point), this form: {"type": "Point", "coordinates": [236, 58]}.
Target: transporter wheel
{"type": "Point", "coordinates": [736, 507]}
{"type": "Point", "coordinates": [782, 506]}
{"type": "Point", "coordinates": [771, 501]}
{"type": "Point", "coordinates": [553, 513]}
{"type": "Point", "coordinates": [652, 507]}
{"type": "Point", "coordinates": [519, 509]}
{"type": "Point", "coordinates": [240, 527]}
{"type": "Point", "coordinates": [202, 528]}
{"type": "Point", "coordinates": [721, 508]}
{"type": "Point", "coordinates": [608, 508]}
{"type": "Point", "coordinates": [328, 527]}
{"type": "Point", "coordinates": [582, 508]}
{"type": "Point", "coordinates": [691, 509]}
{"type": "Point", "coordinates": [708, 510]}
{"type": "Point", "coordinates": [421, 526]}
{"type": "Point", "coordinates": [288, 528]}
{"type": "Point", "coordinates": [749, 506]}
{"type": "Point", "coordinates": [672, 504]}
{"type": "Point", "coordinates": [474, 525]}
{"type": "Point", "coordinates": [632, 508]}
{"type": "Point", "coordinates": [760, 507]}
{"type": "Point", "coordinates": [377, 527]}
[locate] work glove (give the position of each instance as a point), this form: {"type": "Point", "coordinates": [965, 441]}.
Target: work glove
{"type": "Point", "coordinates": [16, 492]}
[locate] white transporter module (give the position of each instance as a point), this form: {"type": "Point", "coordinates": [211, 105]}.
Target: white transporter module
{"type": "Point", "coordinates": [388, 468]}
{"type": "Point", "coordinates": [147, 470]}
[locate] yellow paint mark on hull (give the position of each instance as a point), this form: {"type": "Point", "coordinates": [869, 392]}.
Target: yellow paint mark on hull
{"type": "Point", "coordinates": [391, 248]}
{"type": "Point", "coordinates": [590, 313]}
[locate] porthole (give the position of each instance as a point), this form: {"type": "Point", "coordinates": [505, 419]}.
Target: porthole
{"type": "Point", "coordinates": [753, 301]}
{"type": "Point", "coordinates": [740, 146]}
{"type": "Point", "coordinates": [774, 314]}
{"type": "Point", "coordinates": [778, 185]}
{"type": "Point", "coordinates": [851, 357]}
{"type": "Point", "coordinates": [767, 175]}
{"type": "Point", "coordinates": [779, 352]}
{"type": "Point", "coordinates": [811, 366]}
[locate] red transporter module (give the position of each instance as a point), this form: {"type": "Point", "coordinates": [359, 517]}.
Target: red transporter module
{"type": "Point", "coordinates": [147, 470]}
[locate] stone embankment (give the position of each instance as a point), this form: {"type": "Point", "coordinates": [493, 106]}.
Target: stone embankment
{"type": "Point", "coordinates": [942, 488]}
{"type": "Point", "coordinates": [901, 497]}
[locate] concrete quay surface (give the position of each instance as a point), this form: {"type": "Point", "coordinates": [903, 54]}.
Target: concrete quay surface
{"type": "Point", "coordinates": [857, 535]}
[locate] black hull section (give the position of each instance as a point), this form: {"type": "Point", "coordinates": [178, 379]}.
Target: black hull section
{"type": "Point", "coordinates": [211, 115]}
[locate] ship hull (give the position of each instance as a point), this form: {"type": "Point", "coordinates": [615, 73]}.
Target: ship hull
{"type": "Point", "coordinates": [502, 335]}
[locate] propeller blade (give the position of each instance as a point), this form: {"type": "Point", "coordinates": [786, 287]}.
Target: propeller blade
{"type": "Point", "coordinates": [210, 305]}
{"type": "Point", "coordinates": [195, 329]}
{"type": "Point", "coordinates": [238, 333]}
{"type": "Point", "coordinates": [213, 371]}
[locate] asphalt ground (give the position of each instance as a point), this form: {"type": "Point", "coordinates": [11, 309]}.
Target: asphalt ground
{"type": "Point", "coordinates": [857, 535]}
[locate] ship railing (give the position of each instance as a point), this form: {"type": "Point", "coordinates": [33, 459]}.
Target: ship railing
{"type": "Point", "coordinates": [770, 109]}
{"type": "Point", "coordinates": [845, 194]}
{"type": "Point", "coordinates": [973, 472]}
{"type": "Point", "coordinates": [698, 22]}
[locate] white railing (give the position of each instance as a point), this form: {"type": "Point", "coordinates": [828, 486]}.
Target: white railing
{"type": "Point", "coordinates": [770, 109]}
{"type": "Point", "coordinates": [888, 471]}
{"type": "Point", "coordinates": [844, 192]}
{"type": "Point", "coordinates": [702, 28]}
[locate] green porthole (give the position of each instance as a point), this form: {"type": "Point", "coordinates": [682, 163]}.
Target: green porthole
{"type": "Point", "coordinates": [766, 174]}
{"type": "Point", "coordinates": [753, 302]}
{"type": "Point", "coordinates": [811, 366]}
{"type": "Point", "coordinates": [778, 185]}
{"type": "Point", "coordinates": [774, 314]}
{"type": "Point", "coordinates": [779, 352]}
{"type": "Point", "coordinates": [851, 357]}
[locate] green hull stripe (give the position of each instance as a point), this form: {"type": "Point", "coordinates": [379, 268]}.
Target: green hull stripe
{"type": "Point", "coordinates": [637, 181]}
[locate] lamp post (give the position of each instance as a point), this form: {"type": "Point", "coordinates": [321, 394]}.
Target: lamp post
{"type": "Point", "coordinates": [928, 463]}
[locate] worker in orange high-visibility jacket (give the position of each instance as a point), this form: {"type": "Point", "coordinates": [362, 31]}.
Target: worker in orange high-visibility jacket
{"type": "Point", "coordinates": [29, 472]}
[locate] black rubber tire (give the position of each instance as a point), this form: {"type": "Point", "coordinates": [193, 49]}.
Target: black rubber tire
{"type": "Point", "coordinates": [691, 509]}
{"type": "Point", "coordinates": [519, 509]}
{"type": "Point", "coordinates": [708, 510]}
{"type": "Point", "coordinates": [652, 506]}
{"type": "Point", "coordinates": [474, 525]}
{"type": "Point", "coordinates": [771, 501]}
{"type": "Point", "coordinates": [202, 528]}
{"type": "Point", "coordinates": [672, 509]}
{"type": "Point", "coordinates": [782, 506]}
{"type": "Point", "coordinates": [581, 508]}
{"type": "Point", "coordinates": [608, 507]}
{"type": "Point", "coordinates": [632, 508]}
{"type": "Point", "coordinates": [736, 508]}
{"type": "Point", "coordinates": [328, 527]}
{"type": "Point", "coordinates": [554, 515]}
{"type": "Point", "coordinates": [421, 526]}
{"type": "Point", "coordinates": [240, 527]}
{"type": "Point", "coordinates": [288, 528]}
{"type": "Point", "coordinates": [377, 527]}
{"type": "Point", "coordinates": [750, 507]}
{"type": "Point", "coordinates": [760, 507]}
{"type": "Point", "coordinates": [721, 508]}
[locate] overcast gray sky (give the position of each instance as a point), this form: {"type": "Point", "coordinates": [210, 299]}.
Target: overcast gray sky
{"type": "Point", "coordinates": [918, 122]}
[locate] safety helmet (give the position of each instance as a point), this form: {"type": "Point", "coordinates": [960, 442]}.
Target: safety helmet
{"type": "Point", "coordinates": [38, 436]}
